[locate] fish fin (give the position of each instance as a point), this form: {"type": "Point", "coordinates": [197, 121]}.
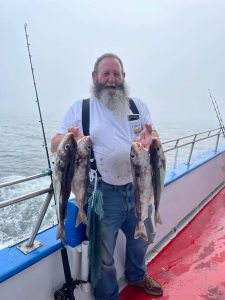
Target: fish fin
{"type": "Point", "coordinates": [81, 218]}
{"type": "Point", "coordinates": [140, 231]}
{"type": "Point", "coordinates": [158, 219]}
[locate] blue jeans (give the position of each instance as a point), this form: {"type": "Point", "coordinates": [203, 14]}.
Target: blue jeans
{"type": "Point", "coordinates": [119, 213]}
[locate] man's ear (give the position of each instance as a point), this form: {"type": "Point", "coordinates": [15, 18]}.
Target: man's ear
{"type": "Point", "coordinates": [94, 76]}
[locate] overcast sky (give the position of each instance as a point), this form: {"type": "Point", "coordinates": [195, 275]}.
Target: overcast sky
{"type": "Point", "coordinates": [173, 52]}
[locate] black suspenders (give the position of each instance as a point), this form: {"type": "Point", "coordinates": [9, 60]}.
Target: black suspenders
{"type": "Point", "coordinates": [86, 123]}
{"type": "Point", "coordinates": [86, 113]}
{"type": "Point", "coordinates": [133, 106]}
{"type": "Point", "coordinates": [86, 116]}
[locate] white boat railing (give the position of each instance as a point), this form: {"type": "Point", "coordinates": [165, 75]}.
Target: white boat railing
{"type": "Point", "coordinates": [176, 144]}
{"type": "Point", "coordinates": [24, 197]}
{"type": "Point", "coordinates": [193, 139]}
{"type": "Point", "coordinates": [8, 183]}
{"type": "Point", "coordinates": [30, 245]}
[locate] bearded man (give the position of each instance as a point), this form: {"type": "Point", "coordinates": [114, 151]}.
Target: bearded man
{"type": "Point", "coordinates": [112, 132]}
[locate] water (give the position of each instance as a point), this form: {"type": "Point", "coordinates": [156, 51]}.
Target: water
{"type": "Point", "coordinates": [22, 154]}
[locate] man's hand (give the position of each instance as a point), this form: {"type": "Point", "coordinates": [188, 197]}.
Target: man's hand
{"type": "Point", "coordinates": [58, 137]}
{"type": "Point", "coordinates": [147, 135]}
{"type": "Point", "coordinates": [76, 134]}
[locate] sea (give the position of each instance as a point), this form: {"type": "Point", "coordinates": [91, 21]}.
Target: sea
{"type": "Point", "coordinates": [22, 154]}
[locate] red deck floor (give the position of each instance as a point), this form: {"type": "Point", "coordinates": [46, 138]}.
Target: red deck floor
{"type": "Point", "coordinates": [192, 266]}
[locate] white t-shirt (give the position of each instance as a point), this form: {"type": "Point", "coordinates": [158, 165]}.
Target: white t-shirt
{"type": "Point", "coordinates": [111, 138]}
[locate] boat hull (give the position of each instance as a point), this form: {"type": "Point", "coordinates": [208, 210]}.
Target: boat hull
{"type": "Point", "coordinates": [39, 274]}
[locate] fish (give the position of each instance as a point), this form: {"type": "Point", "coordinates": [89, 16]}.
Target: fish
{"type": "Point", "coordinates": [158, 163]}
{"type": "Point", "coordinates": [62, 176]}
{"type": "Point", "coordinates": [81, 180]}
{"type": "Point", "coordinates": [148, 169]}
{"type": "Point", "coordinates": [143, 189]}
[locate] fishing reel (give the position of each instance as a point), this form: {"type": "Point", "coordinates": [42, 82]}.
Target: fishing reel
{"type": "Point", "coordinates": [66, 292]}
{"type": "Point", "coordinates": [61, 294]}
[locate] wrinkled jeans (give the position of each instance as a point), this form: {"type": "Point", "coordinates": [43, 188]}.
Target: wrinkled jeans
{"type": "Point", "coordinates": [119, 213]}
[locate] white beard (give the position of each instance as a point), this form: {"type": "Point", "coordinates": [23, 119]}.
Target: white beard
{"type": "Point", "coordinates": [118, 103]}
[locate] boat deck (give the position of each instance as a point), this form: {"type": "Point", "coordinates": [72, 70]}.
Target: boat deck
{"type": "Point", "coordinates": [192, 266]}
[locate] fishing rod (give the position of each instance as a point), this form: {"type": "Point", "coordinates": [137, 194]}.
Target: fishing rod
{"type": "Point", "coordinates": [218, 115]}
{"type": "Point", "coordinates": [217, 108]}
{"type": "Point", "coordinates": [67, 290]}
{"type": "Point", "coordinates": [37, 100]}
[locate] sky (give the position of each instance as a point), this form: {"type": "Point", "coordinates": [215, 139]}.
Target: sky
{"type": "Point", "coordinates": [173, 52]}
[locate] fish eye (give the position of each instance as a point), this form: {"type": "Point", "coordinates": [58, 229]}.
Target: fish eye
{"type": "Point", "coordinates": [67, 147]}
{"type": "Point", "coordinates": [132, 156]}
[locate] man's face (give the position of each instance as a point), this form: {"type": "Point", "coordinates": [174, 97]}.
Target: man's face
{"type": "Point", "coordinates": [109, 75]}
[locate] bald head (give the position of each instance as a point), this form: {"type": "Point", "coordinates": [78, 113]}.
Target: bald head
{"type": "Point", "coordinates": [108, 55]}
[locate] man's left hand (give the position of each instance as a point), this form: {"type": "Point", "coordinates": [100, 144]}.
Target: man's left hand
{"type": "Point", "coordinates": [147, 135]}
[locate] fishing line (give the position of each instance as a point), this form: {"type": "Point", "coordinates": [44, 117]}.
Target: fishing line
{"type": "Point", "coordinates": [218, 115]}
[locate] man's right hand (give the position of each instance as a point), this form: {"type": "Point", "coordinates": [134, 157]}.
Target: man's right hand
{"type": "Point", "coordinates": [58, 137]}
{"type": "Point", "coordinates": [76, 133]}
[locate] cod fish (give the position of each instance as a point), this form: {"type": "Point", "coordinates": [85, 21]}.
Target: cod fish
{"type": "Point", "coordinates": [158, 163]}
{"type": "Point", "coordinates": [62, 177]}
{"type": "Point", "coordinates": [80, 180]}
{"type": "Point", "coordinates": [148, 168]}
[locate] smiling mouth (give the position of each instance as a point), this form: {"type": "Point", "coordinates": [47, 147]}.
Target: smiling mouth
{"type": "Point", "coordinates": [110, 87]}
{"type": "Point", "coordinates": [111, 90]}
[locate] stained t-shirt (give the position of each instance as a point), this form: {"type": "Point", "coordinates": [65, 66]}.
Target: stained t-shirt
{"type": "Point", "coordinates": [111, 137]}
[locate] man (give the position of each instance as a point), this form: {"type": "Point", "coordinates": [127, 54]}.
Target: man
{"type": "Point", "coordinates": [112, 132]}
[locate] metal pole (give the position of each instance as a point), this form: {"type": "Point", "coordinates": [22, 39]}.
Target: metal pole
{"type": "Point", "coordinates": [45, 173]}
{"type": "Point", "coordinates": [175, 159]}
{"type": "Point", "coordinates": [40, 218]}
{"type": "Point", "coordinates": [217, 142]}
{"type": "Point", "coordinates": [176, 154]}
{"type": "Point", "coordinates": [191, 151]}
{"type": "Point", "coordinates": [24, 197]}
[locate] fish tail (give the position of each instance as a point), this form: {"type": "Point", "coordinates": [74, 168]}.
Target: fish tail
{"type": "Point", "coordinates": [158, 219]}
{"type": "Point", "coordinates": [81, 218]}
{"type": "Point", "coordinates": [140, 231]}
{"type": "Point", "coordinates": [61, 233]}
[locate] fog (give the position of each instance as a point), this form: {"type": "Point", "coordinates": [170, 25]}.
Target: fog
{"type": "Point", "coordinates": [173, 52]}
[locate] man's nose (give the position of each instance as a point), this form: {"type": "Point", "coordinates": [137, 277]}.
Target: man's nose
{"type": "Point", "coordinates": [111, 78]}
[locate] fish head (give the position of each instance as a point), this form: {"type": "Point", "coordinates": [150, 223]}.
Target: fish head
{"type": "Point", "coordinates": [139, 154]}
{"type": "Point", "coordinates": [84, 146]}
{"type": "Point", "coordinates": [67, 146]}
